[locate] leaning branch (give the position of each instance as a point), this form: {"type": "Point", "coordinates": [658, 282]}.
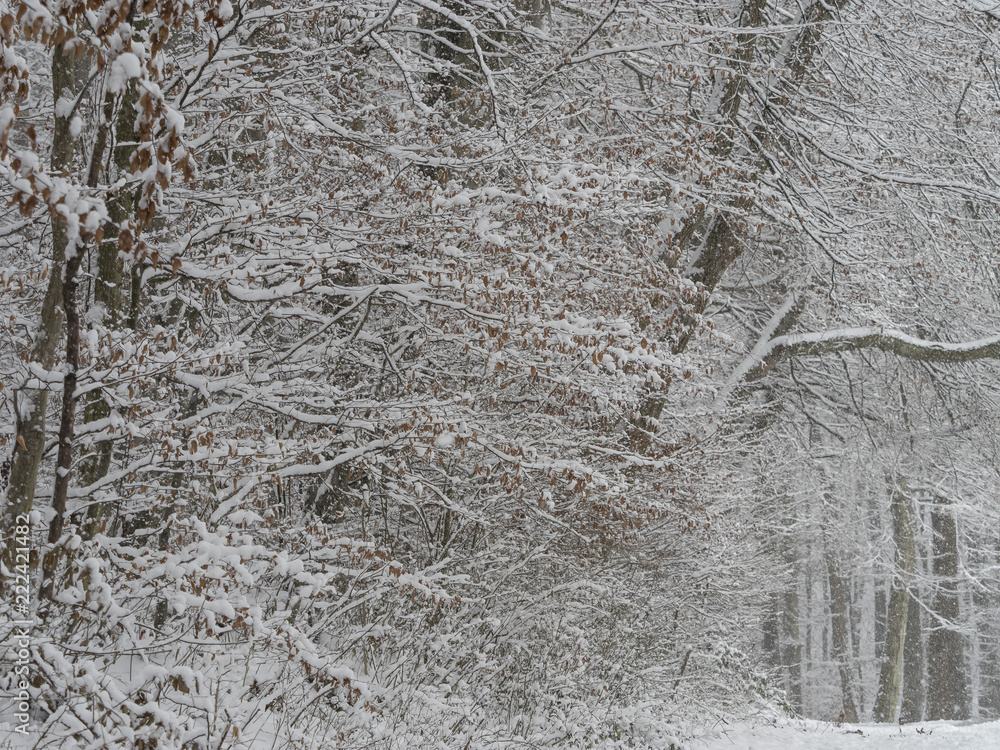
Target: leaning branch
{"type": "Point", "coordinates": [852, 339]}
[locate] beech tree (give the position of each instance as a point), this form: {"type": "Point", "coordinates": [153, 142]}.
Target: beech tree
{"type": "Point", "coordinates": [390, 338]}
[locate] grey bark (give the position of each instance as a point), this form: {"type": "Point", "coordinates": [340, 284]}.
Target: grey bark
{"type": "Point", "coordinates": [535, 11]}
{"type": "Point", "coordinates": [913, 666]}
{"type": "Point", "coordinates": [721, 245]}
{"type": "Point", "coordinates": [989, 665]}
{"type": "Point", "coordinates": [791, 649]}
{"type": "Point", "coordinates": [788, 639]}
{"type": "Point", "coordinates": [881, 607]}
{"type": "Point", "coordinates": [770, 632]}
{"type": "Point", "coordinates": [839, 622]}
{"type": "Point", "coordinates": [891, 673]}
{"type": "Point", "coordinates": [893, 342]}
{"type": "Point", "coordinates": [946, 692]}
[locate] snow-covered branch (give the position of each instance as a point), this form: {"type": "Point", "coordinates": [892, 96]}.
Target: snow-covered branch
{"type": "Point", "coordinates": [764, 358]}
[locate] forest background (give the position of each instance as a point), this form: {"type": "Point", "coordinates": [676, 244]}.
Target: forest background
{"type": "Point", "coordinates": [449, 374]}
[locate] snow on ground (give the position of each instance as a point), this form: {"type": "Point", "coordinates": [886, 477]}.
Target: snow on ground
{"type": "Point", "coordinates": [815, 735]}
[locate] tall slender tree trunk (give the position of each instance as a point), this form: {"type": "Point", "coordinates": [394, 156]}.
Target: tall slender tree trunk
{"type": "Point", "coordinates": [891, 673]}
{"type": "Point", "coordinates": [839, 622]}
{"type": "Point", "coordinates": [771, 632]}
{"type": "Point", "coordinates": [988, 705]}
{"type": "Point", "coordinates": [858, 598]}
{"type": "Point", "coordinates": [30, 442]}
{"type": "Point", "coordinates": [64, 461]}
{"type": "Point", "coordinates": [946, 692]}
{"type": "Point", "coordinates": [789, 640]}
{"type": "Point", "coordinates": [913, 666]}
{"type": "Point", "coordinates": [108, 285]}
{"type": "Point", "coordinates": [881, 606]}
{"type": "Point", "coordinates": [791, 650]}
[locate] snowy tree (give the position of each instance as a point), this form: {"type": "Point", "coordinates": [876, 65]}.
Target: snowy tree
{"type": "Point", "coordinates": [440, 364]}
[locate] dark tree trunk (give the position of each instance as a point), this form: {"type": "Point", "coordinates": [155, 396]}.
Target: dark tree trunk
{"type": "Point", "coordinates": [108, 284]}
{"type": "Point", "coordinates": [30, 440]}
{"type": "Point", "coordinates": [64, 461]}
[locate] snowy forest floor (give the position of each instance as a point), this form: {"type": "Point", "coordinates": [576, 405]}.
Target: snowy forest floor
{"type": "Point", "coordinates": [816, 735]}
{"type": "Point", "coordinates": [786, 734]}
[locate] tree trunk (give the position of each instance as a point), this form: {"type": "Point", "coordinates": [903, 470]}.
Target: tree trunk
{"type": "Point", "coordinates": [986, 600]}
{"type": "Point", "coordinates": [913, 666]}
{"type": "Point", "coordinates": [64, 462]}
{"type": "Point", "coordinates": [712, 241]}
{"type": "Point", "coordinates": [879, 625]}
{"type": "Point", "coordinates": [535, 11]}
{"type": "Point", "coordinates": [791, 650]}
{"type": "Point", "coordinates": [30, 441]}
{"type": "Point", "coordinates": [108, 285]}
{"type": "Point", "coordinates": [839, 620]}
{"type": "Point", "coordinates": [771, 632]}
{"type": "Point", "coordinates": [946, 692]}
{"type": "Point", "coordinates": [891, 674]}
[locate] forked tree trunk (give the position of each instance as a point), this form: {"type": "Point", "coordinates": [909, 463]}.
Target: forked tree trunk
{"type": "Point", "coordinates": [713, 242]}
{"type": "Point", "coordinates": [891, 674]}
